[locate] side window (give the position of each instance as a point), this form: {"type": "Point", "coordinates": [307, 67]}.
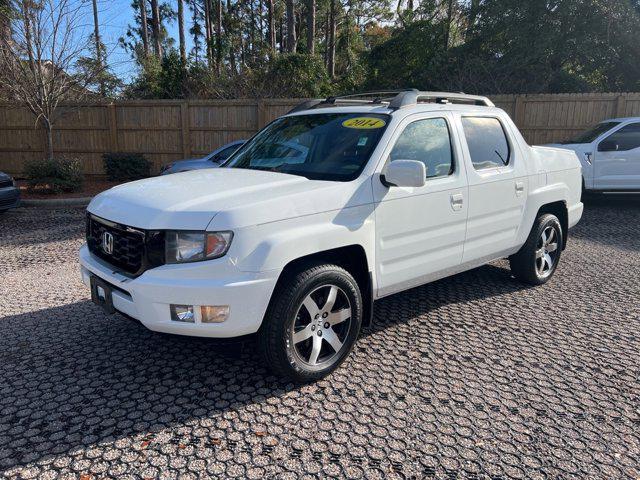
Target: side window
{"type": "Point", "coordinates": [627, 138]}
{"type": "Point", "coordinates": [429, 142]}
{"type": "Point", "coordinates": [226, 153]}
{"type": "Point", "coordinates": [487, 142]}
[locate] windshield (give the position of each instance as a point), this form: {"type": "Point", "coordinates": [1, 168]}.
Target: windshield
{"type": "Point", "coordinates": [594, 132]}
{"type": "Point", "coordinates": [326, 146]}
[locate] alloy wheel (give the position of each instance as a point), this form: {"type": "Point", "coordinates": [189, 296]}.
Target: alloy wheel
{"type": "Point", "coordinates": [321, 326]}
{"type": "Point", "coordinates": [546, 252]}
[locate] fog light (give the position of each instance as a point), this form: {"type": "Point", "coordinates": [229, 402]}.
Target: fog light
{"type": "Point", "coordinates": [214, 313]}
{"type": "Point", "coordinates": [182, 313]}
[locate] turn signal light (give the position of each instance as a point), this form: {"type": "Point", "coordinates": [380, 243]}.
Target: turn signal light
{"type": "Point", "coordinates": [214, 313]}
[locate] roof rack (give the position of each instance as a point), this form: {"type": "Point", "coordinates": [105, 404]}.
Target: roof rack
{"type": "Point", "coordinates": [394, 99]}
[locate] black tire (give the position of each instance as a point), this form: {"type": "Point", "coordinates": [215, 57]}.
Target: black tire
{"type": "Point", "coordinates": [287, 316]}
{"type": "Point", "coordinates": [526, 264]}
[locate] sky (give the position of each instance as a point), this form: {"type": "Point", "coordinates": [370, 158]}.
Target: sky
{"type": "Point", "coordinates": [114, 16]}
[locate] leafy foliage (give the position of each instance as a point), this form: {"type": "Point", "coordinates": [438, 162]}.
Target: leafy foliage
{"type": "Point", "coordinates": [55, 175]}
{"type": "Point", "coordinates": [287, 75]}
{"type": "Point", "coordinates": [125, 166]}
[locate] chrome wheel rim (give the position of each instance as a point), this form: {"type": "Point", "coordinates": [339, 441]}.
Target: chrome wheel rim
{"type": "Point", "coordinates": [321, 327]}
{"type": "Point", "coordinates": [546, 252]}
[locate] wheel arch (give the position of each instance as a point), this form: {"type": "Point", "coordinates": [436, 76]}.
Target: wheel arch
{"type": "Point", "coordinates": [352, 258]}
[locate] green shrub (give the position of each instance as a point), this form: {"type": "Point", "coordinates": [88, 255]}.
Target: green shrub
{"type": "Point", "coordinates": [125, 166]}
{"type": "Point", "coordinates": [56, 175]}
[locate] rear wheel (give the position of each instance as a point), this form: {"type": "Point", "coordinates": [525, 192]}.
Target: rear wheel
{"type": "Point", "coordinates": [537, 260]}
{"type": "Point", "coordinates": [312, 323]}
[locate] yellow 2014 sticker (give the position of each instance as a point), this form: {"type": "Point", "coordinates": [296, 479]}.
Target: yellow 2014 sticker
{"type": "Point", "coordinates": [364, 123]}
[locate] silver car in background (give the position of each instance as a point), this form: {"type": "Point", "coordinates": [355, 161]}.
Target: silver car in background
{"type": "Point", "coordinates": [212, 160]}
{"type": "Point", "coordinates": [9, 193]}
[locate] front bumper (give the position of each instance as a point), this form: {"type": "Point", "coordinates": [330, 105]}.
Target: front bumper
{"type": "Point", "coordinates": [9, 198]}
{"type": "Point", "coordinates": [147, 297]}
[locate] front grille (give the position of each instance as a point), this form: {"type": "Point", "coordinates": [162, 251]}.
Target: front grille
{"type": "Point", "coordinates": [134, 250]}
{"type": "Point", "coordinates": [6, 183]}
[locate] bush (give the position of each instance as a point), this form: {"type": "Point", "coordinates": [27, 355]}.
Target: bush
{"type": "Point", "coordinates": [125, 166]}
{"type": "Point", "coordinates": [56, 175]}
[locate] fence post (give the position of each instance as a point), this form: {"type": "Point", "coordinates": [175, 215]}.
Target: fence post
{"type": "Point", "coordinates": [186, 134]}
{"type": "Point", "coordinates": [113, 126]}
{"type": "Point", "coordinates": [261, 114]}
{"type": "Point", "coordinates": [621, 103]}
{"type": "Point", "coordinates": [518, 112]}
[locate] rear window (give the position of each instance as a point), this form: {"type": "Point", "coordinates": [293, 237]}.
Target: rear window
{"type": "Point", "coordinates": [487, 142]}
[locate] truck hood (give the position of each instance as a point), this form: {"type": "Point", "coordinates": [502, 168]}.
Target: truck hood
{"type": "Point", "coordinates": [235, 197]}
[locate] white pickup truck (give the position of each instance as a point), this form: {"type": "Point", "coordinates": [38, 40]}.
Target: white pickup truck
{"type": "Point", "coordinates": [610, 155]}
{"type": "Point", "coordinates": [392, 191]}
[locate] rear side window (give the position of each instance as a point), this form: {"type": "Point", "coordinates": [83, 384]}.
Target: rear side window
{"type": "Point", "coordinates": [427, 141]}
{"type": "Point", "coordinates": [487, 142]}
{"type": "Point", "coordinates": [627, 138]}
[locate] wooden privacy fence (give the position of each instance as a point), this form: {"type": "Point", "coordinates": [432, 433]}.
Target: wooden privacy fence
{"type": "Point", "coordinates": [166, 130]}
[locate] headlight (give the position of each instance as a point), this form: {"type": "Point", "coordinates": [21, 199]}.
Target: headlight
{"type": "Point", "coordinates": [195, 246]}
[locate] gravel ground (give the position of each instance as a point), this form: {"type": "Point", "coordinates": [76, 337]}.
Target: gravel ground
{"type": "Point", "coordinates": [475, 376]}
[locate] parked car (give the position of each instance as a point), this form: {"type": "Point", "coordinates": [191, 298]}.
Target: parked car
{"type": "Point", "coordinates": [9, 193]}
{"type": "Point", "coordinates": [393, 193]}
{"type": "Point", "coordinates": [212, 160]}
{"type": "Point", "coordinates": [610, 155]}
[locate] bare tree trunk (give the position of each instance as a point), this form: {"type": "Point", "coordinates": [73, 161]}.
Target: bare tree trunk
{"type": "Point", "coordinates": [283, 40]}
{"type": "Point", "coordinates": [183, 48]}
{"type": "Point", "coordinates": [48, 128]}
{"type": "Point", "coordinates": [311, 27]}
{"type": "Point", "coordinates": [232, 54]}
{"type": "Point", "coordinates": [272, 29]}
{"type": "Point", "coordinates": [207, 30]}
{"type": "Point", "coordinates": [155, 27]}
{"type": "Point", "coordinates": [218, 36]}
{"type": "Point", "coordinates": [145, 28]}
{"type": "Point", "coordinates": [291, 27]}
{"type": "Point", "coordinates": [326, 41]}
{"type": "Point", "coordinates": [96, 35]}
{"type": "Point", "coordinates": [332, 40]}
{"type": "Point", "coordinates": [447, 33]}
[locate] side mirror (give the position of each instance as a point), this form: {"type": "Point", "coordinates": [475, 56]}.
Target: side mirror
{"type": "Point", "coordinates": [608, 146]}
{"type": "Point", "coordinates": [404, 173]}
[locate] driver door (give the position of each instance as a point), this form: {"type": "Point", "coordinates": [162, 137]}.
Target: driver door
{"type": "Point", "coordinates": [617, 160]}
{"type": "Point", "coordinates": [420, 231]}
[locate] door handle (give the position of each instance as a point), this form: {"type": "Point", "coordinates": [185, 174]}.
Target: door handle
{"type": "Point", "coordinates": [519, 188]}
{"type": "Point", "coordinates": [457, 201]}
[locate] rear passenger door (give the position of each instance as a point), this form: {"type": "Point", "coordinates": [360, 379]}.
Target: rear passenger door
{"type": "Point", "coordinates": [420, 231]}
{"type": "Point", "coordinates": [498, 186]}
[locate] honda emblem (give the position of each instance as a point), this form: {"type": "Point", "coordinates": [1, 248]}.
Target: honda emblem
{"type": "Point", "coordinates": [107, 243]}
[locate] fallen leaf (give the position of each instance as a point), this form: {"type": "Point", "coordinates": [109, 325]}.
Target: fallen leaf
{"type": "Point", "coordinates": [216, 441]}
{"type": "Point", "coordinates": [86, 476]}
{"type": "Point", "coordinates": [261, 433]}
{"type": "Point", "coordinates": [145, 444]}
{"type": "Point", "coordinates": [182, 445]}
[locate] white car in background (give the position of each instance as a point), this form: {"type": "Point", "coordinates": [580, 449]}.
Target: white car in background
{"type": "Point", "coordinates": [610, 155]}
{"type": "Point", "coordinates": [327, 209]}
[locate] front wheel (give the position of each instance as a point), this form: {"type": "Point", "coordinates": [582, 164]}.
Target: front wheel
{"type": "Point", "coordinates": [312, 323]}
{"type": "Point", "coordinates": [537, 260]}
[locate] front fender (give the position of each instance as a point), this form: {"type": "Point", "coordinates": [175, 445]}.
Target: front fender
{"type": "Point", "coordinates": [274, 245]}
